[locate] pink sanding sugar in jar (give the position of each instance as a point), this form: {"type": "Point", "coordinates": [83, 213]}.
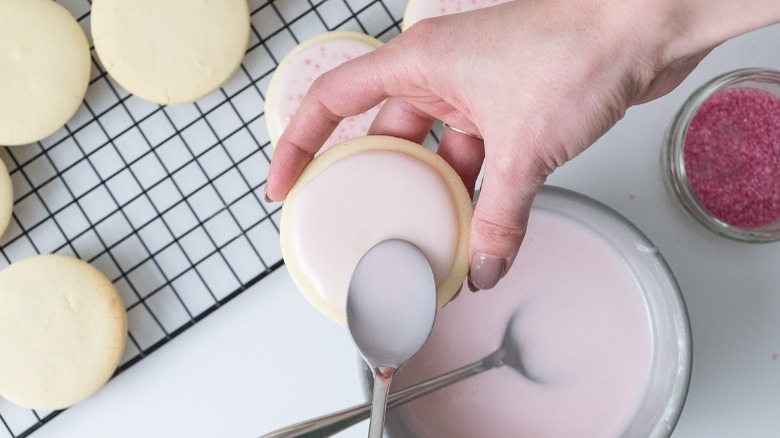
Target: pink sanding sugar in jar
{"type": "Point", "coordinates": [723, 155]}
{"type": "Point", "coordinates": [732, 156]}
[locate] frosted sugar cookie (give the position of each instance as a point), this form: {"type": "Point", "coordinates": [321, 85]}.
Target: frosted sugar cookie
{"type": "Point", "coordinates": [62, 331]}
{"type": "Point", "coordinates": [362, 192]}
{"type": "Point", "coordinates": [6, 198]}
{"type": "Point", "coordinates": [417, 10]}
{"type": "Point", "coordinates": [298, 70]}
{"type": "Point", "coordinates": [44, 69]}
{"type": "Point", "coordinates": [170, 51]}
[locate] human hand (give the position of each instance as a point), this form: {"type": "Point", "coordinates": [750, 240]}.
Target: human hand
{"type": "Point", "coordinates": [540, 81]}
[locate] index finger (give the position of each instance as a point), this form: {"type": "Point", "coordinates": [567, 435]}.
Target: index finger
{"type": "Point", "coordinates": [350, 89]}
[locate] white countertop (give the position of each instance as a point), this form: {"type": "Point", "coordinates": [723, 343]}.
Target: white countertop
{"type": "Point", "coordinates": [268, 358]}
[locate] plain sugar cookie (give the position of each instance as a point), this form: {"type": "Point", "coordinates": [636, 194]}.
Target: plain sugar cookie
{"type": "Point", "coordinates": [62, 331]}
{"type": "Point", "coordinates": [170, 51]}
{"type": "Point", "coordinates": [361, 192]}
{"type": "Point", "coordinates": [6, 198]}
{"type": "Point", "coordinates": [298, 70]}
{"type": "Point", "coordinates": [44, 69]}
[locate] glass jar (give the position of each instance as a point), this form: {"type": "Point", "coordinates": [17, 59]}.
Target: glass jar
{"type": "Point", "coordinates": [681, 180]}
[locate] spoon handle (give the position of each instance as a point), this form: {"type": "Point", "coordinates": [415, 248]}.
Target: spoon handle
{"type": "Point", "coordinates": [382, 378]}
{"type": "Point", "coordinates": [330, 424]}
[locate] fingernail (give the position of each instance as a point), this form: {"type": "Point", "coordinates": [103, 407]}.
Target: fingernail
{"type": "Point", "coordinates": [472, 288]}
{"type": "Point", "coordinates": [485, 271]}
{"type": "Point", "coordinates": [265, 196]}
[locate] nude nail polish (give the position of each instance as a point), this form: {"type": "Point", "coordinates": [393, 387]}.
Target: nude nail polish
{"type": "Point", "coordinates": [486, 270]}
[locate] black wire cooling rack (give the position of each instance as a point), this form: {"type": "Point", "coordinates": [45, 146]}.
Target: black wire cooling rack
{"type": "Point", "coordinates": [167, 201]}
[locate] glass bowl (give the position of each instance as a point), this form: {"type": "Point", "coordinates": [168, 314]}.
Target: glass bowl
{"type": "Point", "coordinates": [727, 183]}
{"type": "Point", "coordinates": [665, 365]}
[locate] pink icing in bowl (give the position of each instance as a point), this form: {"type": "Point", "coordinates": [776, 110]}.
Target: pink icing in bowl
{"type": "Point", "coordinates": [604, 339]}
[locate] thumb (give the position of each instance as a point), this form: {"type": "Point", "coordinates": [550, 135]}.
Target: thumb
{"type": "Point", "coordinates": [500, 218]}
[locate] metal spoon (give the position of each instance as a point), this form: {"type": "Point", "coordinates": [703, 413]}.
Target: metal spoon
{"type": "Point", "coordinates": [391, 306]}
{"type": "Point", "coordinates": [507, 354]}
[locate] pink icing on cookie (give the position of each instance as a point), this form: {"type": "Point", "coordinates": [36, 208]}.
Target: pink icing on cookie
{"type": "Point", "coordinates": [381, 207]}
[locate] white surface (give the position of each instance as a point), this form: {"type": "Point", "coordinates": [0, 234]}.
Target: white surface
{"type": "Point", "coordinates": [267, 358]}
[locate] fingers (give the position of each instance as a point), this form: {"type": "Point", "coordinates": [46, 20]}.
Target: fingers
{"type": "Point", "coordinates": [348, 90]}
{"type": "Point", "coordinates": [465, 154]}
{"type": "Point", "coordinates": [399, 118]}
{"type": "Point", "coordinates": [501, 216]}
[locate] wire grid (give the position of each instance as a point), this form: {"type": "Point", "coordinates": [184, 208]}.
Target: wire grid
{"type": "Point", "coordinates": [167, 201]}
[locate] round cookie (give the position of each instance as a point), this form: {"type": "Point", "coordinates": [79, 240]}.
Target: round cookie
{"type": "Point", "coordinates": [6, 198]}
{"type": "Point", "coordinates": [44, 69]}
{"type": "Point", "coordinates": [170, 51]}
{"type": "Point", "coordinates": [298, 70]}
{"type": "Point", "coordinates": [62, 331]}
{"type": "Point", "coordinates": [361, 192]}
{"type": "Point", "coordinates": [417, 10]}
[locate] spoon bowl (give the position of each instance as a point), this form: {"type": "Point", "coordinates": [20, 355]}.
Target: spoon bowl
{"type": "Point", "coordinates": [391, 307]}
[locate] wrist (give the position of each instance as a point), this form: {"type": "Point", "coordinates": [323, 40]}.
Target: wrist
{"type": "Point", "coordinates": [696, 26]}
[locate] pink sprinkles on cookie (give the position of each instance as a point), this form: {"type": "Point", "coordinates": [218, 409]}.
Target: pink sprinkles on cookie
{"type": "Point", "coordinates": [732, 156]}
